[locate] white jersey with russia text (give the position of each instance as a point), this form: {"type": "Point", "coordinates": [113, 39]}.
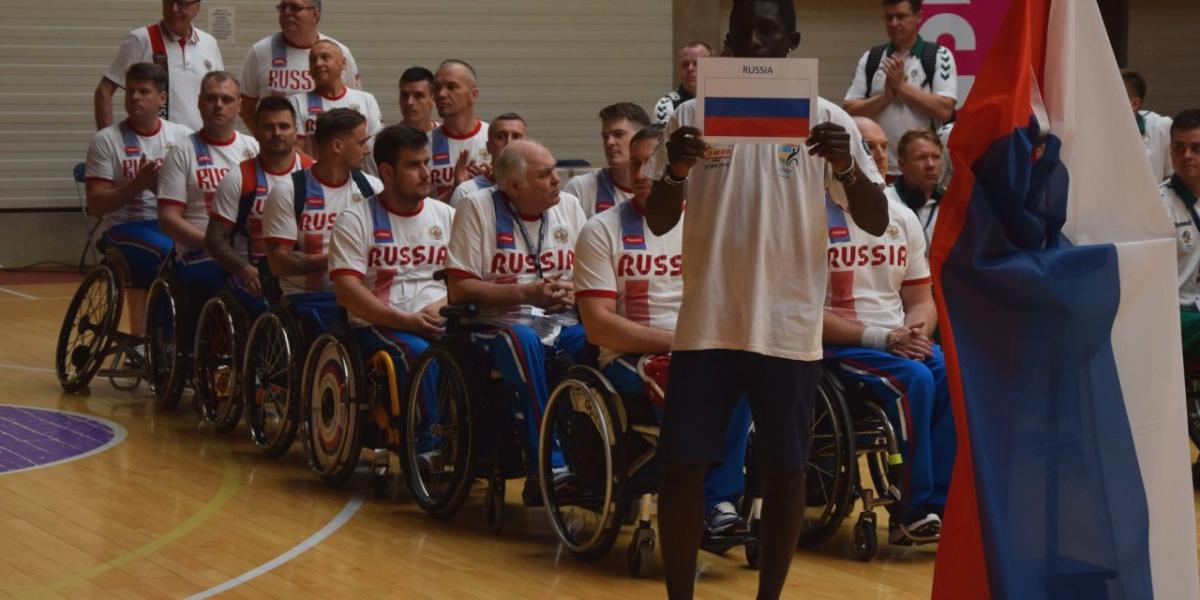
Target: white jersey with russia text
{"type": "Point", "coordinates": [187, 60]}
{"type": "Point", "coordinates": [323, 202]}
{"type": "Point", "coordinates": [1187, 245]}
{"type": "Point", "coordinates": [866, 272]}
{"type": "Point", "coordinates": [618, 257]}
{"type": "Point", "coordinates": [251, 180]}
{"type": "Point", "coordinates": [470, 186]}
{"type": "Point", "coordinates": [394, 254]}
{"type": "Point", "coordinates": [755, 241]}
{"type": "Point", "coordinates": [444, 149]}
{"type": "Point", "coordinates": [597, 191]}
{"type": "Point", "coordinates": [926, 215]}
{"type": "Point", "coordinates": [486, 243]}
{"type": "Point", "coordinates": [275, 68]}
{"type": "Point", "coordinates": [191, 174]}
{"type": "Point", "coordinates": [114, 156]}
{"type": "Point", "coordinates": [310, 105]}
{"type": "Point", "coordinates": [1156, 133]}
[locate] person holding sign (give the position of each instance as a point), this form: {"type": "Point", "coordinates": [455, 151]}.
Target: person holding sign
{"type": "Point", "coordinates": [754, 291]}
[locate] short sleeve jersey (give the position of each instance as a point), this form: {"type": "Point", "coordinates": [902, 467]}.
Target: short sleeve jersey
{"type": "Point", "coordinates": [866, 272]}
{"type": "Point", "coordinates": [470, 186]}
{"type": "Point", "coordinates": [274, 67]}
{"type": "Point", "coordinates": [114, 156]}
{"type": "Point", "coordinates": [323, 202]}
{"type": "Point", "coordinates": [394, 254]}
{"type": "Point", "coordinates": [1156, 133]}
{"type": "Point", "coordinates": [310, 105]}
{"type": "Point", "coordinates": [1187, 244]}
{"type": "Point", "coordinates": [618, 257]}
{"type": "Point", "coordinates": [444, 149]}
{"type": "Point", "coordinates": [251, 182]}
{"type": "Point", "coordinates": [188, 60]}
{"type": "Point", "coordinates": [755, 238]}
{"type": "Point", "coordinates": [926, 215]}
{"type": "Point", "coordinates": [193, 171]}
{"type": "Point", "coordinates": [898, 116]}
{"type": "Point", "coordinates": [597, 191]}
{"type": "Point", "coordinates": [487, 243]}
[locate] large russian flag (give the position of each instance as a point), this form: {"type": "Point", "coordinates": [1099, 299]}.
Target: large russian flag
{"type": "Point", "coordinates": [1054, 264]}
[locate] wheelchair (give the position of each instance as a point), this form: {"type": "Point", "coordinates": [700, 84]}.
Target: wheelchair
{"type": "Point", "coordinates": [90, 332]}
{"type": "Point", "coordinates": [608, 442]}
{"type": "Point", "coordinates": [1191, 378]}
{"type": "Point", "coordinates": [169, 331]}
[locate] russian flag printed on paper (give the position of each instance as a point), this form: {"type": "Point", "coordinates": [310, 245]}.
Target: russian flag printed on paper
{"type": "Point", "coordinates": [756, 100]}
{"type": "Point", "coordinates": [756, 117]}
{"type": "Point", "coordinates": [1054, 267]}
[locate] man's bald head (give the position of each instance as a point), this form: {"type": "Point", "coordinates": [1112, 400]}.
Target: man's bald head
{"type": "Point", "coordinates": [875, 140]}
{"type": "Point", "coordinates": [326, 62]}
{"type": "Point", "coordinates": [455, 90]}
{"type": "Point", "coordinates": [525, 171]}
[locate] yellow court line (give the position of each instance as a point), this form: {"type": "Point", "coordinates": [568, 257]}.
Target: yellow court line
{"type": "Point", "coordinates": [229, 485]}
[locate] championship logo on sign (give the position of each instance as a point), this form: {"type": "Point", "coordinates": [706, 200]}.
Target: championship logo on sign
{"type": "Point", "coordinates": [789, 155]}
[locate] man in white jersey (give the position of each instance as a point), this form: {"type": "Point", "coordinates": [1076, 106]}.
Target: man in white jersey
{"type": "Point", "coordinates": [1179, 194]}
{"type": "Point", "coordinates": [907, 83]}
{"type": "Point", "coordinates": [689, 58]}
{"type": "Point", "coordinates": [174, 44]}
{"type": "Point", "coordinates": [301, 212]}
{"type": "Point", "coordinates": [879, 321]}
{"type": "Point", "coordinates": [919, 185]}
{"type": "Point", "coordinates": [384, 253]}
{"type": "Point", "coordinates": [1155, 128]}
{"type": "Point", "coordinates": [874, 141]}
{"type": "Point", "coordinates": [416, 99]}
{"type": "Point", "coordinates": [503, 130]}
{"type": "Point", "coordinates": [601, 190]}
{"type": "Point", "coordinates": [190, 176]}
{"type": "Point", "coordinates": [277, 65]}
{"type": "Point", "coordinates": [326, 64]}
{"type": "Point", "coordinates": [754, 280]}
{"type": "Point", "coordinates": [628, 285]}
{"type": "Point", "coordinates": [234, 238]}
{"type": "Point", "coordinates": [123, 164]}
{"type": "Point", "coordinates": [511, 253]}
{"type": "Point", "coordinates": [458, 147]}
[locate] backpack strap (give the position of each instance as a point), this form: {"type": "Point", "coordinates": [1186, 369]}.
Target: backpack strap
{"type": "Point", "coordinates": [874, 57]}
{"type": "Point", "coordinates": [929, 57]}
{"type": "Point", "coordinates": [158, 55]}
{"type": "Point", "coordinates": [364, 186]}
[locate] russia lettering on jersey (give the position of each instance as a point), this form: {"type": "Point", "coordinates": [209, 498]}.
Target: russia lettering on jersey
{"type": "Point", "coordinates": [282, 78]}
{"type": "Point", "coordinates": [444, 151]}
{"type": "Point", "coordinates": [131, 166]}
{"type": "Point", "coordinates": [207, 176]}
{"type": "Point", "coordinates": [507, 262]}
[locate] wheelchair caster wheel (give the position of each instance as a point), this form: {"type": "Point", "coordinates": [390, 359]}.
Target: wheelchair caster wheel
{"type": "Point", "coordinates": [752, 547]}
{"type": "Point", "coordinates": [493, 506]}
{"type": "Point", "coordinates": [866, 540]}
{"type": "Point", "coordinates": [641, 552]}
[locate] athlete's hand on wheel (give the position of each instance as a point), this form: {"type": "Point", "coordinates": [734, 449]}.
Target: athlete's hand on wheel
{"type": "Point", "coordinates": [831, 142]}
{"type": "Point", "coordinates": [251, 281]}
{"type": "Point", "coordinates": [684, 149]}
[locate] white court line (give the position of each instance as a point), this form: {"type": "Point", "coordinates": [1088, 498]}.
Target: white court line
{"type": "Point", "coordinates": [118, 437]}
{"type": "Point", "coordinates": [18, 294]}
{"type": "Point", "coordinates": [24, 368]}
{"type": "Point", "coordinates": [342, 518]}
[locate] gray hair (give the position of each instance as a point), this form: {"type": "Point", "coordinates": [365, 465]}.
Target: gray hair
{"type": "Point", "coordinates": [317, 5]}
{"type": "Point", "coordinates": [464, 64]}
{"type": "Point", "coordinates": [512, 166]}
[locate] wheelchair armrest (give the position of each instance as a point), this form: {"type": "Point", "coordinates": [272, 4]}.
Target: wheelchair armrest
{"type": "Point", "coordinates": [459, 311]}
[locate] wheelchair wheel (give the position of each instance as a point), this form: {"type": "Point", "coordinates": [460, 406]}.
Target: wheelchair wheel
{"type": "Point", "coordinates": [438, 451]}
{"type": "Point", "coordinates": [219, 344]}
{"type": "Point", "coordinates": [331, 394]}
{"type": "Point", "coordinates": [830, 467]}
{"type": "Point", "coordinates": [269, 382]}
{"type": "Point", "coordinates": [166, 341]}
{"type": "Point", "coordinates": [584, 495]}
{"type": "Point", "coordinates": [87, 329]}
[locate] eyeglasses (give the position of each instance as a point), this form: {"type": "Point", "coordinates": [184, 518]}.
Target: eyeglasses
{"type": "Point", "coordinates": [183, 3]}
{"type": "Point", "coordinates": [291, 8]}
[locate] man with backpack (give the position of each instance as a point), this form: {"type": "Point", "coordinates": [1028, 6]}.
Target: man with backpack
{"type": "Point", "coordinates": [908, 83]}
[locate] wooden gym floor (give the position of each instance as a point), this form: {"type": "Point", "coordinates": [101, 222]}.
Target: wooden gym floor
{"type": "Point", "coordinates": [173, 509]}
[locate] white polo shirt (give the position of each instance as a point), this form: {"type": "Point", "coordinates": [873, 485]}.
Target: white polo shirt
{"type": "Point", "coordinates": [274, 67]}
{"type": "Point", "coordinates": [487, 243]}
{"type": "Point", "coordinates": [618, 257]}
{"type": "Point", "coordinates": [188, 60]}
{"type": "Point", "coordinates": [310, 105]}
{"type": "Point", "coordinates": [1156, 134]}
{"type": "Point", "coordinates": [898, 117]}
{"type": "Point", "coordinates": [470, 186]}
{"type": "Point", "coordinates": [394, 254]}
{"type": "Point", "coordinates": [1187, 245]}
{"type": "Point", "coordinates": [755, 242]}
{"type": "Point", "coordinates": [251, 182]}
{"type": "Point", "coordinates": [114, 156]}
{"type": "Point", "coordinates": [867, 272]}
{"type": "Point", "coordinates": [444, 148]}
{"type": "Point", "coordinates": [597, 191]}
{"type": "Point", "coordinates": [323, 202]}
{"type": "Point", "coordinates": [193, 171]}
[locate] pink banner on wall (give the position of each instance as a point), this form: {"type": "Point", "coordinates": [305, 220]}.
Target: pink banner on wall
{"type": "Point", "coordinates": [968, 28]}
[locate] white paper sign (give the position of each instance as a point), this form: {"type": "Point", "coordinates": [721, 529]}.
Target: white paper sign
{"type": "Point", "coordinates": [221, 24]}
{"type": "Point", "coordinates": [756, 100]}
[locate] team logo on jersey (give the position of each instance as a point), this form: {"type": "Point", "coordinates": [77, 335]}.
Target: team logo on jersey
{"type": "Point", "coordinates": [839, 234]}
{"type": "Point", "coordinates": [1186, 238]}
{"type": "Point", "coordinates": [435, 233]}
{"type": "Point", "coordinates": [357, 197]}
{"type": "Point", "coordinates": [279, 61]}
{"type": "Point", "coordinates": [384, 236]}
{"type": "Point", "coordinates": [260, 190]}
{"type": "Point", "coordinates": [314, 203]}
{"type": "Point", "coordinates": [132, 150]}
{"type": "Point", "coordinates": [207, 65]}
{"type": "Point", "coordinates": [561, 236]}
{"type": "Point", "coordinates": [442, 157]}
{"type": "Point", "coordinates": [354, 107]}
{"type": "Point", "coordinates": [505, 238]}
{"type": "Point", "coordinates": [248, 153]}
{"type": "Point", "coordinates": [788, 155]}
{"type": "Point", "coordinates": [634, 239]}
{"type": "Point", "coordinates": [893, 232]}
{"type": "Point", "coordinates": [314, 110]}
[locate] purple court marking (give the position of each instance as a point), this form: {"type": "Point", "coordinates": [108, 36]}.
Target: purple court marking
{"type": "Point", "coordinates": [32, 438]}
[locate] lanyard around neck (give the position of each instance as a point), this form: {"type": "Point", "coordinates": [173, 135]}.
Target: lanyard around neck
{"type": "Point", "coordinates": [535, 255]}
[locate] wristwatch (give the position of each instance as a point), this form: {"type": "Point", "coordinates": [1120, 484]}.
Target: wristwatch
{"type": "Point", "coordinates": [848, 177]}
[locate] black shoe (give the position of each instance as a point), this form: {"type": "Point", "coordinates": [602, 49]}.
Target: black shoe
{"type": "Point", "coordinates": [724, 528]}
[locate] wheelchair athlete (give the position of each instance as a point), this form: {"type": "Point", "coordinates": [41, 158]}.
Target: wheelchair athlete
{"type": "Point", "coordinates": [385, 250]}
{"type": "Point", "coordinates": [879, 316]}
{"type": "Point", "coordinates": [628, 288]}
{"type": "Point", "coordinates": [511, 252]}
{"type": "Point", "coordinates": [122, 169]}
